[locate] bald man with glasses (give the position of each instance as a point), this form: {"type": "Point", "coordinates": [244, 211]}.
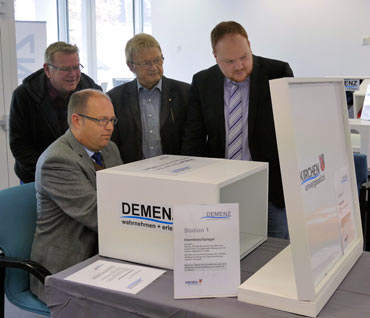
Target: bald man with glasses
{"type": "Point", "coordinates": [66, 228]}
{"type": "Point", "coordinates": [151, 109]}
{"type": "Point", "coordinates": [38, 111]}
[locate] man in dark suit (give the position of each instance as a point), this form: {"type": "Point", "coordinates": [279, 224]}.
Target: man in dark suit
{"type": "Point", "coordinates": [151, 108]}
{"type": "Point", "coordinates": [66, 228]}
{"type": "Point", "coordinates": [230, 112]}
{"type": "Point", "coordinates": [38, 111]}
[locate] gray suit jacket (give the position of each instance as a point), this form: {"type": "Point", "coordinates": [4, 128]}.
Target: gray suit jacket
{"type": "Point", "coordinates": [128, 132]}
{"type": "Point", "coordinates": [66, 228]}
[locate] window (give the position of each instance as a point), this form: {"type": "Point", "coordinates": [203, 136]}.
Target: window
{"type": "Point", "coordinates": [147, 16]}
{"type": "Point", "coordinates": [36, 26]}
{"type": "Point", "coordinates": [100, 28]}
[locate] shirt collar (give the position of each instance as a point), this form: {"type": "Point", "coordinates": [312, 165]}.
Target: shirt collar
{"type": "Point", "coordinates": [229, 82]}
{"type": "Point", "coordinates": [89, 152]}
{"type": "Point", "coordinates": [158, 85]}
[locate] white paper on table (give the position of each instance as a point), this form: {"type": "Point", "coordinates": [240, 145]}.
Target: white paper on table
{"type": "Point", "coordinates": [116, 276]}
{"type": "Point", "coordinates": [365, 113]}
{"type": "Point", "coordinates": [206, 250]}
{"type": "Point", "coordinates": [345, 207]}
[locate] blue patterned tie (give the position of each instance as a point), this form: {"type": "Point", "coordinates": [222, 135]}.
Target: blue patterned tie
{"type": "Point", "coordinates": [235, 124]}
{"type": "Point", "coordinates": [97, 158]}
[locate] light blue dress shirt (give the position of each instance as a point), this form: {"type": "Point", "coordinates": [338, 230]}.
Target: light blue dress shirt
{"type": "Point", "coordinates": [150, 107]}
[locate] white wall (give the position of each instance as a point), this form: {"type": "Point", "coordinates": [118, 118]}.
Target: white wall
{"type": "Point", "coordinates": [317, 37]}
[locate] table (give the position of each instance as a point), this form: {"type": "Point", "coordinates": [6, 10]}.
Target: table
{"type": "Point", "coordinates": [70, 299]}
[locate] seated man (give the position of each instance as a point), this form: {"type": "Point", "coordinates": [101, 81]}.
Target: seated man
{"type": "Point", "coordinates": [66, 228]}
{"type": "Point", "coordinates": [38, 111]}
{"type": "Point", "coordinates": [151, 108]}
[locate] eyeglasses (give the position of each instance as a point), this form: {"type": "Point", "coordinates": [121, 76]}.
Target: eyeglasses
{"type": "Point", "coordinates": [67, 69]}
{"type": "Point", "coordinates": [101, 122]}
{"type": "Point", "coordinates": [148, 64]}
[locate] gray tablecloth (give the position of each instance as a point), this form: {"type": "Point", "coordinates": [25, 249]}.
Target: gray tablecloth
{"type": "Point", "coordinates": [70, 299]}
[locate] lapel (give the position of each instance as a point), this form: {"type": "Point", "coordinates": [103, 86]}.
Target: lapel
{"type": "Point", "coordinates": [218, 101]}
{"type": "Point", "coordinates": [84, 157]}
{"type": "Point", "coordinates": [109, 159]}
{"type": "Point", "coordinates": [132, 99]}
{"type": "Point", "coordinates": [255, 85]}
{"type": "Point", "coordinates": [166, 110]}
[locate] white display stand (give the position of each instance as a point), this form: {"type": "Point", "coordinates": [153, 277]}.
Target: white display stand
{"type": "Point", "coordinates": [359, 97]}
{"type": "Point", "coordinates": [160, 182]}
{"type": "Point", "coordinates": [320, 192]}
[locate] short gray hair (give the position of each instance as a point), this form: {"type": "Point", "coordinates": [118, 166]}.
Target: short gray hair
{"type": "Point", "coordinates": [139, 42]}
{"type": "Point", "coordinates": [58, 47]}
{"type": "Point", "coordinates": [79, 101]}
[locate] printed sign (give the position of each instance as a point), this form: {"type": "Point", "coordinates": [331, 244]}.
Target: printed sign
{"type": "Point", "coordinates": [206, 249]}
{"type": "Point", "coordinates": [122, 277]}
{"type": "Point", "coordinates": [144, 216]}
{"type": "Point", "coordinates": [351, 84]}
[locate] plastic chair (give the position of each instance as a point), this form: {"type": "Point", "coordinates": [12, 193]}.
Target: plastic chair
{"type": "Point", "coordinates": [18, 220]}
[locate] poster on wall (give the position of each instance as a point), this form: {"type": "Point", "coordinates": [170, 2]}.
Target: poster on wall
{"type": "Point", "coordinates": [30, 45]}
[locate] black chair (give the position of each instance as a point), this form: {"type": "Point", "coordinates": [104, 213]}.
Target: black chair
{"type": "Point", "coordinates": [17, 226]}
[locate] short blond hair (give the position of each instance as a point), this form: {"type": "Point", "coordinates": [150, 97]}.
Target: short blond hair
{"type": "Point", "coordinates": [139, 42]}
{"type": "Point", "coordinates": [58, 47]}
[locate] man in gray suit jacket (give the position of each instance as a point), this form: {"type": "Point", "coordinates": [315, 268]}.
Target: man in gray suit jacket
{"type": "Point", "coordinates": [151, 109]}
{"type": "Point", "coordinates": [66, 229]}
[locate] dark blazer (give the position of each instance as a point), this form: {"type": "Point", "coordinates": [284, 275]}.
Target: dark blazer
{"type": "Point", "coordinates": [67, 224]}
{"type": "Point", "coordinates": [205, 125]}
{"type": "Point", "coordinates": [33, 121]}
{"type": "Point", "coordinates": [128, 132]}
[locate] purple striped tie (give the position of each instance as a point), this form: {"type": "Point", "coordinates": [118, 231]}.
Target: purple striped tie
{"type": "Point", "coordinates": [235, 124]}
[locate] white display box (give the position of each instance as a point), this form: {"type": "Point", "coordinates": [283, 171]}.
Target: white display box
{"type": "Point", "coordinates": [319, 182]}
{"type": "Point", "coordinates": [135, 200]}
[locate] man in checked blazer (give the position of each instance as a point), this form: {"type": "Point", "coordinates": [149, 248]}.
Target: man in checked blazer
{"type": "Point", "coordinates": [66, 228]}
{"type": "Point", "coordinates": [208, 117]}
{"type": "Point", "coordinates": [151, 109]}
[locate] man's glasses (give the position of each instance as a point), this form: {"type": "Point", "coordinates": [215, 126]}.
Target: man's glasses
{"type": "Point", "coordinates": [66, 69]}
{"type": "Point", "coordinates": [148, 64]}
{"type": "Point", "coordinates": [101, 122]}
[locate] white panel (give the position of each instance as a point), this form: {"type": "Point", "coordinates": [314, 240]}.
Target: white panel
{"type": "Point", "coordinates": [321, 198]}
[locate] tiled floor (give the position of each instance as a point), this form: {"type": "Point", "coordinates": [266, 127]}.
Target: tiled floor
{"type": "Point", "coordinates": [14, 312]}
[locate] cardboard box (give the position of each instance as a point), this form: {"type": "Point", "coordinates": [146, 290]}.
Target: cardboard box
{"type": "Point", "coordinates": [135, 200]}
